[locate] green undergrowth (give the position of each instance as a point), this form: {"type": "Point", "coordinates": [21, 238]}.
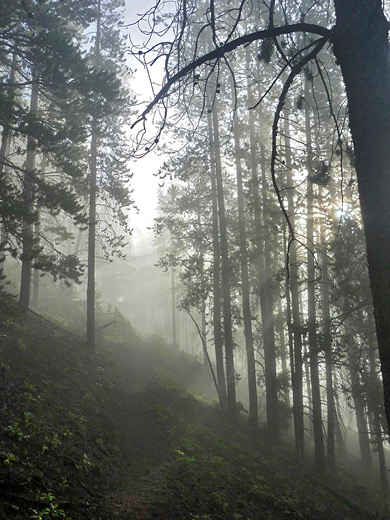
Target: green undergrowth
{"type": "Point", "coordinates": [132, 432]}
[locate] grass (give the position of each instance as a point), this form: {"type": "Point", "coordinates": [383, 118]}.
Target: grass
{"type": "Point", "coordinates": [127, 434]}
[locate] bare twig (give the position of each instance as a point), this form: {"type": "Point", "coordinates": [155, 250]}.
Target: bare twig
{"type": "Point", "coordinates": [230, 46]}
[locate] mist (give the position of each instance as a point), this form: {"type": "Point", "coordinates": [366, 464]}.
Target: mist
{"type": "Point", "coordinates": [194, 274]}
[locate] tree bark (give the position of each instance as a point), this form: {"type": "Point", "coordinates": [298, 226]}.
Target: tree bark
{"type": "Point", "coordinates": [203, 336]}
{"type": "Point", "coordinates": [339, 435]}
{"type": "Point", "coordinates": [283, 356]}
{"type": "Point", "coordinates": [218, 342]}
{"type": "Point", "coordinates": [289, 316]}
{"type": "Point", "coordinates": [311, 301]}
{"type": "Point", "coordinates": [269, 347]}
{"type": "Point", "coordinates": [361, 47]}
{"type": "Point", "coordinates": [331, 413]}
{"type": "Point", "coordinates": [358, 404]}
{"type": "Point", "coordinates": [25, 282]}
{"type": "Point", "coordinates": [375, 412]}
{"type": "Point", "coordinates": [91, 289]}
{"type": "Point", "coordinates": [296, 374]}
{"type": "Point", "coordinates": [91, 328]}
{"type": "Point", "coordinates": [6, 134]}
{"type": "Point", "coordinates": [225, 273]}
{"type": "Point", "coordinates": [173, 308]}
{"type": "Point", "coordinates": [250, 354]}
{"type": "Point", "coordinates": [37, 230]}
{"type": "Point", "coordinates": [204, 332]}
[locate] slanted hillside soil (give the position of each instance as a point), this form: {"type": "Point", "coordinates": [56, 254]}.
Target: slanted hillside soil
{"type": "Point", "coordinates": [121, 434]}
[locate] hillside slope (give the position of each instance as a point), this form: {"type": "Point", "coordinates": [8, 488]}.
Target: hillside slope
{"type": "Point", "coordinates": [119, 436]}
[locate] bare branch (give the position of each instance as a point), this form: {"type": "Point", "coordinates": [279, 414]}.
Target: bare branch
{"type": "Point", "coordinates": [230, 46]}
{"type": "Point", "coordinates": [294, 72]}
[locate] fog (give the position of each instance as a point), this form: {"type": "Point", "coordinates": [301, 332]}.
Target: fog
{"type": "Point", "coordinates": [190, 187]}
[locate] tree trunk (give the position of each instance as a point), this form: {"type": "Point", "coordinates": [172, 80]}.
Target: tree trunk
{"type": "Point", "coordinates": [91, 340]}
{"type": "Point", "coordinates": [250, 354]}
{"type": "Point", "coordinates": [339, 435]}
{"type": "Point", "coordinates": [204, 333]}
{"type": "Point", "coordinates": [37, 230]}
{"type": "Point", "coordinates": [288, 315]}
{"type": "Point", "coordinates": [376, 412]}
{"type": "Point", "coordinates": [269, 346]}
{"type": "Point", "coordinates": [225, 273]}
{"type": "Point", "coordinates": [378, 435]}
{"type": "Point", "coordinates": [283, 356]}
{"type": "Point", "coordinates": [91, 290]}
{"type": "Point", "coordinates": [36, 273]}
{"type": "Point", "coordinates": [331, 414]}
{"type": "Point", "coordinates": [311, 301]}
{"type": "Point", "coordinates": [272, 412]}
{"type": "Point", "coordinates": [6, 134]}
{"type": "Point", "coordinates": [203, 303]}
{"type": "Point", "coordinates": [25, 282]}
{"type": "Point", "coordinates": [308, 385]}
{"type": "Point", "coordinates": [173, 308]}
{"type": "Point", "coordinates": [361, 47]}
{"type": "Point", "coordinates": [296, 374]}
{"type": "Point", "coordinates": [218, 343]}
{"type": "Point", "coordinates": [358, 404]}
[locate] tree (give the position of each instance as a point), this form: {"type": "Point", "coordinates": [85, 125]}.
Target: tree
{"type": "Point", "coordinates": [40, 54]}
{"type": "Point", "coordinates": [42, 57]}
{"type": "Point", "coordinates": [25, 284]}
{"type": "Point", "coordinates": [312, 325]}
{"type": "Point", "coordinates": [185, 214]}
{"type": "Point", "coordinates": [225, 268]}
{"type": "Point", "coordinates": [108, 172]}
{"type": "Point", "coordinates": [359, 40]}
{"type": "Point", "coordinates": [245, 286]}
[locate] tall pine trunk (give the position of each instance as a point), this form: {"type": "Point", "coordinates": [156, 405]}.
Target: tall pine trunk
{"type": "Point", "coordinates": [91, 291]}
{"type": "Point", "coordinates": [358, 405]}
{"type": "Point", "coordinates": [37, 231]}
{"type": "Point", "coordinates": [203, 304]}
{"type": "Point", "coordinates": [6, 134]}
{"type": "Point", "coordinates": [225, 272]}
{"type": "Point", "coordinates": [91, 287]}
{"type": "Point", "coordinates": [311, 302]}
{"type": "Point", "coordinates": [204, 332]}
{"type": "Point", "coordinates": [283, 350]}
{"type": "Point", "coordinates": [331, 414]}
{"type": "Point", "coordinates": [250, 354]}
{"type": "Point", "coordinates": [362, 51]}
{"type": "Point", "coordinates": [25, 282]}
{"type": "Point", "coordinates": [218, 341]}
{"type": "Point", "coordinates": [375, 411]}
{"type": "Point", "coordinates": [269, 347]}
{"type": "Point", "coordinates": [296, 373]}
{"type": "Point", "coordinates": [173, 308]}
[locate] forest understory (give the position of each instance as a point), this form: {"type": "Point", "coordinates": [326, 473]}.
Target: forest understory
{"type": "Point", "coordinates": [135, 432]}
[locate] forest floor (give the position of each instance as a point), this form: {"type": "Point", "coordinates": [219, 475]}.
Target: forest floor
{"type": "Point", "coordinates": [124, 434]}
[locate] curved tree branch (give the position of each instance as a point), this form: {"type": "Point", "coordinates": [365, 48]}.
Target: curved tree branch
{"type": "Point", "coordinates": [229, 47]}
{"type": "Point", "coordinates": [282, 98]}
